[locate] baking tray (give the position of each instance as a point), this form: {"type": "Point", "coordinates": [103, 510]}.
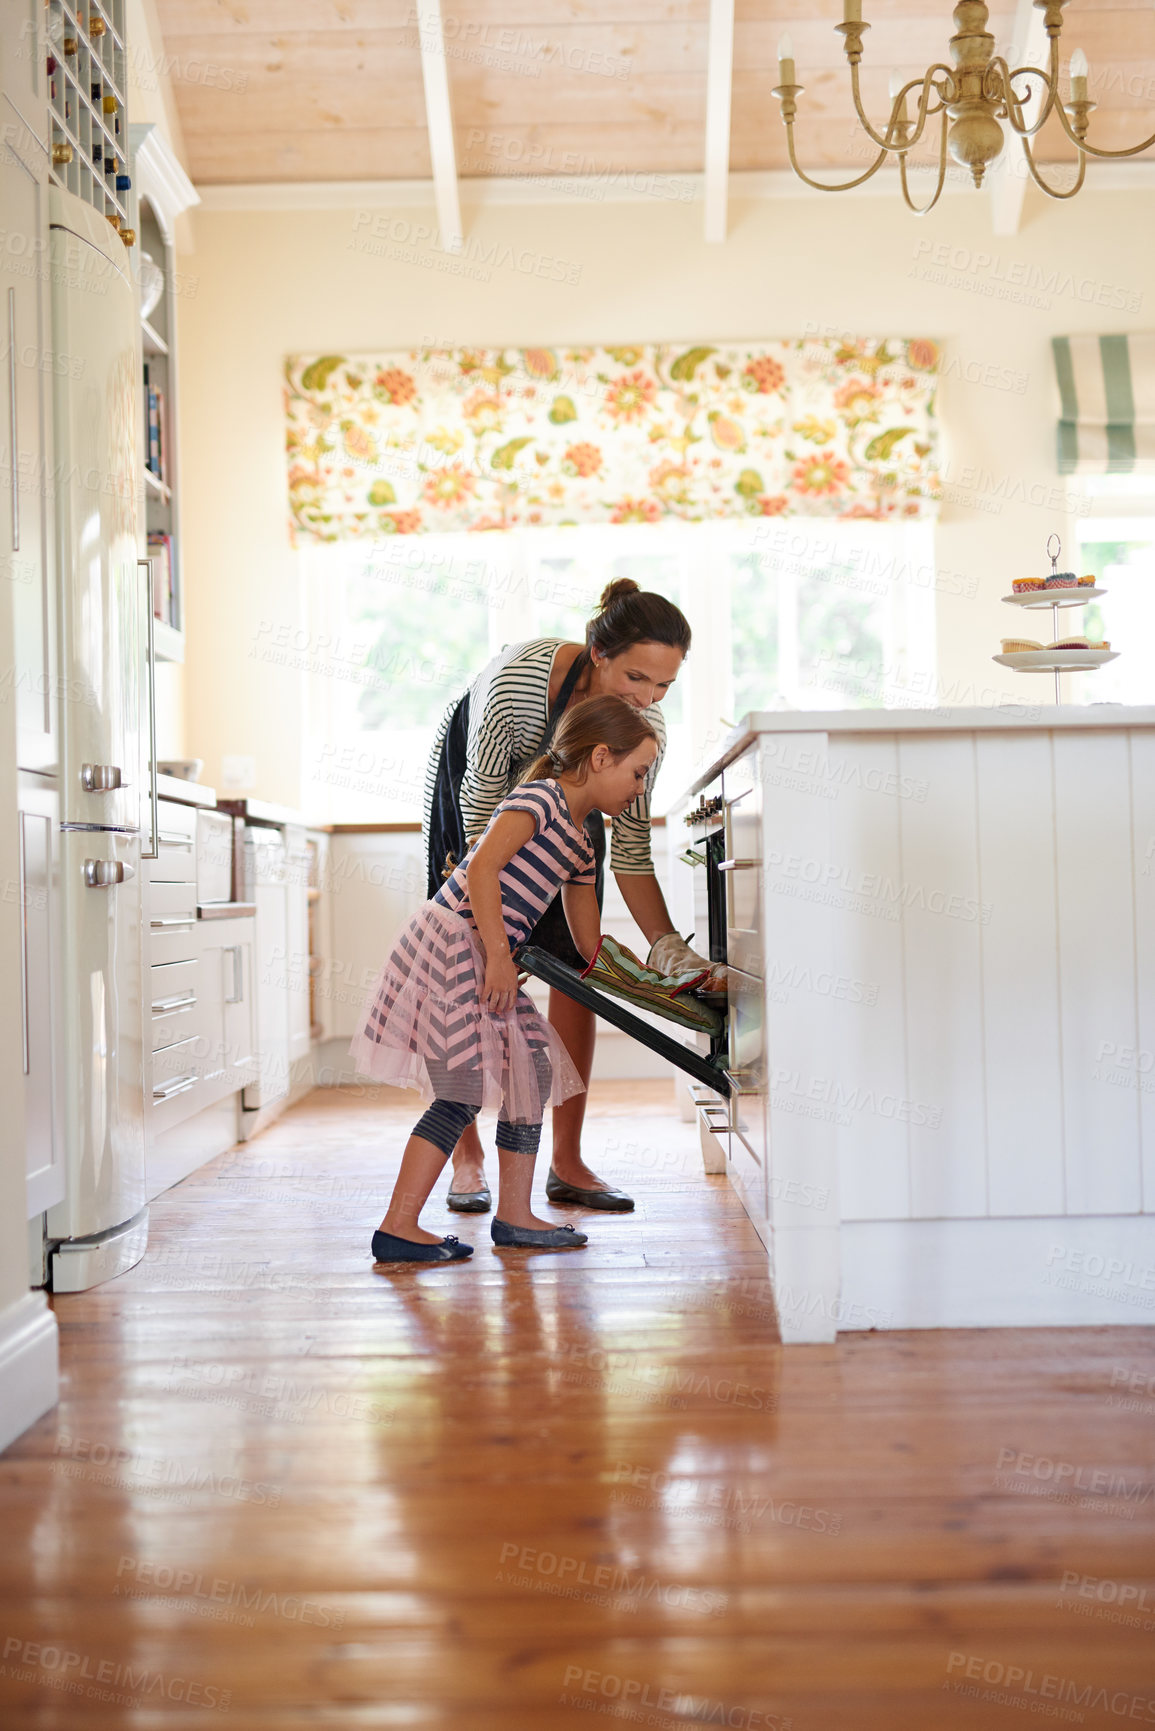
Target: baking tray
{"type": "Point", "coordinates": [565, 979]}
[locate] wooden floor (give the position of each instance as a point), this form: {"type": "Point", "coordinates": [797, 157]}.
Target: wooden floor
{"type": "Point", "coordinates": [284, 1490]}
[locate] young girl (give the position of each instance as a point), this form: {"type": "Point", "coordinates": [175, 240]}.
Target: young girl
{"type": "Point", "coordinates": [447, 1014]}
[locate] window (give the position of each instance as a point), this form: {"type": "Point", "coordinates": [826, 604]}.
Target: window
{"type": "Point", "coordinates": [798, 613]}
{"type": "Point", "coordinates": [1120, 551]}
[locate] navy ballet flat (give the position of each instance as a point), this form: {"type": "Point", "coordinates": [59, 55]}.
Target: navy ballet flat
{"type": "Point", "coordinates": [387, 1247]}
{"type": "Point", "coordinates": [536, 1238]}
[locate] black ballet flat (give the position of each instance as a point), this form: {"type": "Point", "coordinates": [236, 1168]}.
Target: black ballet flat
{"type": "Point", "coordinates": [535, 1237]}
{"type": "Point", "coordinates": [470, 1201]}
{"type": "Point", "coordinates": [387, 1247]}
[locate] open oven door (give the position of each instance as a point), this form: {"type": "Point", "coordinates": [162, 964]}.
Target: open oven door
{"type": "Point", "coordinates": [565, 979]}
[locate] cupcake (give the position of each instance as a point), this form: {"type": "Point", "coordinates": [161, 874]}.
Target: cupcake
{"type": "Point", "coordinates": [1062, 580]}
{"type": "Point", "coordinates": [1086, 583]}
{"type": "Point", "coordinates": [1019, 645]}
{"type": "Point", "coordinates": [1073, 643]}
{"type": "Point", "coordinates": [1025, 585]}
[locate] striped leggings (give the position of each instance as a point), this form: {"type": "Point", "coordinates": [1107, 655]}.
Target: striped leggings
{"type": "Point", "coordinates": [444, 1121]}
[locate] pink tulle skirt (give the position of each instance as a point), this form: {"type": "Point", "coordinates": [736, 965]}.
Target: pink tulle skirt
{"type": "Point", "coordinates": [424, 1026]}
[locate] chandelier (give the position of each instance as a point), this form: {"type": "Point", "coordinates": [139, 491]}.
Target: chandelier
{"type": "Point", "coordinates": [974, 98]}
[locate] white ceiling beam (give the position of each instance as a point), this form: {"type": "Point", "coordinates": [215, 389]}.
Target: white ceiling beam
{"type": "Point", "coordinates": [1008, 177]}
{"type": "Point", "coordinates": [439, 120]}
{"type": "Point", "coordinates": [719, 84]}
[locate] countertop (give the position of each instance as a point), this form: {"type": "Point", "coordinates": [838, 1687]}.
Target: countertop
{"type": "Point", "coordinates": [185, 792]}
{"type": "Point", "coordinates": [1011, 718]}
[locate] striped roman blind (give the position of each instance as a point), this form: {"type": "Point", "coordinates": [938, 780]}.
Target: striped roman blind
{"type": "Point", "coordinates": [1107, 404]}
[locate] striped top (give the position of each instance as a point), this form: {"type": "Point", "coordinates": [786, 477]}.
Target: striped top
{"type": "Point", "coordinates": [508, 712]}
{"type": "Point", "coordinates": [557, 852]}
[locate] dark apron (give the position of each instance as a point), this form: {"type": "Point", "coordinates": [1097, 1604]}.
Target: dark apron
{"type": "Point", "coordinates": [447, 843]}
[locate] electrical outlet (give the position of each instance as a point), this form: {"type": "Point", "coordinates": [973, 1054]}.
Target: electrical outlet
{"type": "Point", "coordinates": [238, 773]}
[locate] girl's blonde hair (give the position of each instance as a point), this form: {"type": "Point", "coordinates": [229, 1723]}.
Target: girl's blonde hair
{"type": "Point", "coordinates": [608, 721]}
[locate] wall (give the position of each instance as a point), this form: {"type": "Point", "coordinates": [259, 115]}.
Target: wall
{"type": "Point", "coordinates": [268, 283]}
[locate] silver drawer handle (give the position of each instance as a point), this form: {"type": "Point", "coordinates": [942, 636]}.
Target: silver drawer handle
{"type": "Point", "coordinates": [709, 1113]}
{"type": "Point", "coordinates": [100, 777]}
{"type": "Point", "coordinates": [163, 1005]}
{"type": "Point", "coordinates": [171, 925]}
{"type": "Point", "coordinates": [738, 865]}
{"type": "Point", "coordinates": [176, 841]}
{"type": "Point", "coordinates": [101, 874]}
{"type": "Point", "coordinates": [179, 1085]}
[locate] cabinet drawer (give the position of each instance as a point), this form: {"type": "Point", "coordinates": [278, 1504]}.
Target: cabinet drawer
{"type": "Point", "coordinates": [176, 901]}
{"type": "Point", "coordinates": [176, 863]}
{"type": "Point", "coordinates": [175, 941]}
{"type": "Point", "coordinates": [178, 823]}
{"type": "Point", "coordinates": [172, 922]}
{"type": "Point", "coordinates": [173, 993]}
{"type": "Point", "coordinates": [174, 1071]}
{"type": "Point", "coordinates": [714, 1134]}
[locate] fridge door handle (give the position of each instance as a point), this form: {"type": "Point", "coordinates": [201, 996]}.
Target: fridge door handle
{"type": "Point", "coordinates": [102, 874]}
{"type": "Point", "coordinates": [100, 777]}
{"type": "Point", "coordinates": [153, 849]}
{"type": "Point", "coordinates": [13, 430]}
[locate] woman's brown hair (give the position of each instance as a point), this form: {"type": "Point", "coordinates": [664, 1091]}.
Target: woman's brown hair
{"type": "Point", "coordinates": [627, 615]}
{"type": "Point", "coordinates": [608, 721]}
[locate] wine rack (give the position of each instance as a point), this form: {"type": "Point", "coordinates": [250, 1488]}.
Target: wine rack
{"type": "Point", "coordinates": [87, 81]}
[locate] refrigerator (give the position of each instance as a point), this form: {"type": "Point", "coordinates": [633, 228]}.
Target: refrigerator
{"type": "Point", "coordinates": [104, 694]}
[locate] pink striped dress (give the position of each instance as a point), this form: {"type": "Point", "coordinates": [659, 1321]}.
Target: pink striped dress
{"type": "Point", "coordinates": [424, 1006]}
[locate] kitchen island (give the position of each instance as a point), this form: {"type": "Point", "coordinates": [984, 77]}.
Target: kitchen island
{"type": "Point", "coordinates": [941, 926]}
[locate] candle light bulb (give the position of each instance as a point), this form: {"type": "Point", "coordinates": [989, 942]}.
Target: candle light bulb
{"type": "Point", "coordinates": [1079, 71]}
{"type": "Point", "coordinates": [786, 61]}
{"type": "Point", "coordinates": [852, 12]}
{"type": "Point", "coordinates": [896, 83]}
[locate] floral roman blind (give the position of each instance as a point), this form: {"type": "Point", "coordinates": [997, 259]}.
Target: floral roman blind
{"type": "Point", "coordinates": [443, 439]}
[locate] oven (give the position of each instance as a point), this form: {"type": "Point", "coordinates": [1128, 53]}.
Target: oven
{"type": "Point", "coordinates": [706, 1070]}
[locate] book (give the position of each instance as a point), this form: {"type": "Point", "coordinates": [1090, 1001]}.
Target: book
{"type": "Point", "coordinates": [161, 437]}
{"type": "Point", "coordinates": [160, 552]}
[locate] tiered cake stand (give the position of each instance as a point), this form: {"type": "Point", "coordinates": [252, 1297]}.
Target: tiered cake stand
{"type": "Point", "coordinates": [1057, 661]}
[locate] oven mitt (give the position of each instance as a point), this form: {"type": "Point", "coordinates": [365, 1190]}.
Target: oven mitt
{"type": "Point", "coordinates": [616, 970]}
{"type": "Point", "coordinates": [671, 954]}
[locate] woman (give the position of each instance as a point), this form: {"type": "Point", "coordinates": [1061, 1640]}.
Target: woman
{"type": "Point", "coordinates": [635, 645]}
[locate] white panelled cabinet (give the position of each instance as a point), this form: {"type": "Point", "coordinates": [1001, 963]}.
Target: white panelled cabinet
{"type": "Point", "coordinates": [941, 931]}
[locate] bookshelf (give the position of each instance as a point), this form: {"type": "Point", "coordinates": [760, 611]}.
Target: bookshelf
{"type": "Point", "coordinates": [159, 196]}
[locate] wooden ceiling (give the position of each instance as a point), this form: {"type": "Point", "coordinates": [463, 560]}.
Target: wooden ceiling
{"type": "Point", "coordinates": [322, 90]}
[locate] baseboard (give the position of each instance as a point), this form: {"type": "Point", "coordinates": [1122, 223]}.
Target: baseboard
{"type": "Point", "coordinates": [29, 1365]}
{"type": "Point", "coordinates": [1056, 1272]}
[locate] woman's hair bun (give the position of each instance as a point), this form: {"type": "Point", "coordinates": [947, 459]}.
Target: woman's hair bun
{"type": "Point", "coordinates": [616, 591]}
